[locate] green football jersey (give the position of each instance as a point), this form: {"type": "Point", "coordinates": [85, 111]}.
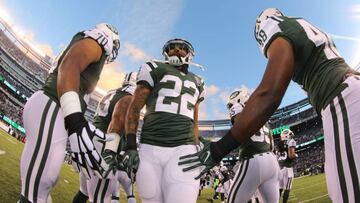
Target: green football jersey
{"type": "Point", "coordinates": [107, 104]}
{"type": "Point", "coordinates": [319, 68]}
{"type": "Point", "coordinates": [170, 106]}
{"type": "Point", "coordinates": [258, 143]}
{"type": "Point", "coordinates": [282, 154]}
{"type": "Point", "coordinates": [89, 77]}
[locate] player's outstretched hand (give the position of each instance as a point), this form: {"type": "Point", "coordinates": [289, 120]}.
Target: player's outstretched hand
{"type": "Point", "coordinates": [82, 136]}
{"type": "Point", "coordinates": [130, 163]}
{"type": "Point", "coordinates": [111, 158]}
{"type": "Point", "coordinates": [202, 158]}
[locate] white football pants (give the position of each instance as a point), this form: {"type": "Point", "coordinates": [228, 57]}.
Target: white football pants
{"type": "Point", "coordinates": [161, 180]}
{"type": "Point", "coordinates": [44, 150]}
{"type": "Point", "coordinates": [341, 123]}
{"type": "Point", "coordinates": [257, 173]}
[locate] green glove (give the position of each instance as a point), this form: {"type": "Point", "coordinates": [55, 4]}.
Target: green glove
{"type": "Point", "coordinates": [130, 163]}
{"type": "Point", "coordinates": [201, 158]}
{"type": "Point", "coordinates": [110, 158]}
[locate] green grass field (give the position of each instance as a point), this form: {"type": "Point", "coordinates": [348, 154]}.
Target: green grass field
{"type": "Point", "coordinates": [305, 189]}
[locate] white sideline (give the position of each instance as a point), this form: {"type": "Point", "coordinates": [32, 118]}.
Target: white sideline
{"type": "Point", "coordinates": [318, 197]}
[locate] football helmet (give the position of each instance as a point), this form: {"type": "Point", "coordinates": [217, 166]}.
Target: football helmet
{"type": "Point", "coordinates": [111, 32]}
{"type": "Point", "coordinates": [236, 102]}
{"type": "Point", "coordinates": [130, 79]}
{"type": "Point", "coordinates": [238, 97]}
{"type": "Point", "coordinates": [286, 134]}
{"type": "Point", "coordinates": [265, 15]}
{"type": "Point", "coordinates": [176, 60]}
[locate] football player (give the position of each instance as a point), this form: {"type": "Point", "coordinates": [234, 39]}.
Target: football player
{"type": "Point", "coordinates": [259, 168]}
{"type": "Point", "coordinates": [110, 117]}
{"type": "Point", "coordinates": [56, 113]}
{"type": "Point", "coordinates": [299, 51]}
{"type": "Point", "coordinates": [172, 95]}
{"type": "Point", "coordinates": [286, 156]}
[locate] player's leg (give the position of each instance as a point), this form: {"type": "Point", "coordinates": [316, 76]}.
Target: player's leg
{"type": "Point", "coordinates": [43, 153]}
{"type": "Point", "coordinates": [341, 123]}
{"type": "Point", "coordinates": [82, 195]}
{"type": "Point", "coordinates": [149, 174]}
{"type": "Point", "coordinates": [125, 182]}
{"type": "Point", "coordinates": [115, 196]}
{"type": "Point", "coordinates": [179, 186]}
{"type": "Point", "coordinates": [100, 190]}
{"type": "Point", "coordinates": [282, 180]}
{"type": "Point", "coordinates": [269, 181]}
{"type": "Point", "coordinates": [245, 182]}
{"type": "Point", "coordinates": [289, 182]}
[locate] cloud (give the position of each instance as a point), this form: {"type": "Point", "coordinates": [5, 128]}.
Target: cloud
{"type": "Point", "coordinates": [136, 54]}
{"type": "Point", "coordinates": [355, 10]}
{"type": "Point", "coordinates": [334, 36]}
{"type": "Point", "coordinates": [211, 90]}
{"type": "Point", "coordinates": [111, 76]}
{"type": "Point", "coordinates": [148, 23]}
{"type": "Point", "coordinates": [47, 49]}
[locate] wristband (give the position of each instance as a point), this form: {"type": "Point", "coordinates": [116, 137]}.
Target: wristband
{"type": "Point", "coordinates": [70, 103]}
{"type": "Point", "coordinates": [131, 141]}
{"type": "Point", "coordinates": [223, 147]}
{"type": "Point", "coordinates": [113, 144]}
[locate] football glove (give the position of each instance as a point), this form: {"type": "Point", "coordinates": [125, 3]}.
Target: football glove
{"type": "Point", "coordinates": [130, 157]}
{"type": "Point", "coordinates": [130, 163]}
{"type": "Point", "coordinates": [199, 159]}
{"type": "Point", "coordinates": [82, 136]}
{"type": "Point", "coordinates": [111, 158]}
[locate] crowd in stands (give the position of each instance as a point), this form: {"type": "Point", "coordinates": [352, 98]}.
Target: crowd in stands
{"type": "Point", "coordinates": [10, 109]}
{"type": "Point", "coordinates": [21, 58]}
{"type": "Point", "coordinates": [298, 117]}
{"type": "Point", "coordinates": [24, 90]}
{"type": "Point", "coordinates": [310, 160]}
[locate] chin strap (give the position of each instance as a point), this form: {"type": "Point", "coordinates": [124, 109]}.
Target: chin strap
{"type": "Point", "coordinates": [171, 62]}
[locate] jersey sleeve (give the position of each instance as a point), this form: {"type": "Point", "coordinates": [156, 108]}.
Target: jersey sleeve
{"type": "Point", "coordinates": [201, 87]}
{"type": "Point", "coordinates": [101, 38]}
{"type": "Point", "coordinates": [146, 74]}
{"type": "Point", "coordinates": [269, 31]}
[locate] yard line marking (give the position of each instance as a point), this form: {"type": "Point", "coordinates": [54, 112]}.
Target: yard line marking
{"type": "Point", "coordinates": [318, 197]}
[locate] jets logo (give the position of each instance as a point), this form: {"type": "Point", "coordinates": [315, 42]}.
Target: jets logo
{"type": "Point", "coordinates": [234, 94]}
{"type": "Point", "coordinates": [112, 28]}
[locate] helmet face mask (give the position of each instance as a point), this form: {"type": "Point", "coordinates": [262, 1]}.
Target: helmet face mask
{"type": "Point", "coordinates": [178, 60]}
{"type": "Point", "coordinates": [111, 32]}
{"type": "Point", "coordinates": [286, 134]}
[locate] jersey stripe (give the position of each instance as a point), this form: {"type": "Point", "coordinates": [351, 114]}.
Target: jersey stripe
{"type": "Point", "coordinates": [44, 158]}
{"type": "Point", "coordinates": [151, 65]}
{"type": "Point", "coordinates": [340, 168]}
{"type": "Point", "coordinates": [105, 188]}
{"type": "Point", "coordinates": [98, 185]}
{"type": "Point", "coordinates": [37, 148]}
{"type": "Point", "coordinates": [349, 151]}
{"type": "Point", "coordinates": [239, 181]}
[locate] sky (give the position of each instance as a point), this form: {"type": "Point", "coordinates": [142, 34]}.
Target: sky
{"type": "Point", "coordinates": [222, 33]}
